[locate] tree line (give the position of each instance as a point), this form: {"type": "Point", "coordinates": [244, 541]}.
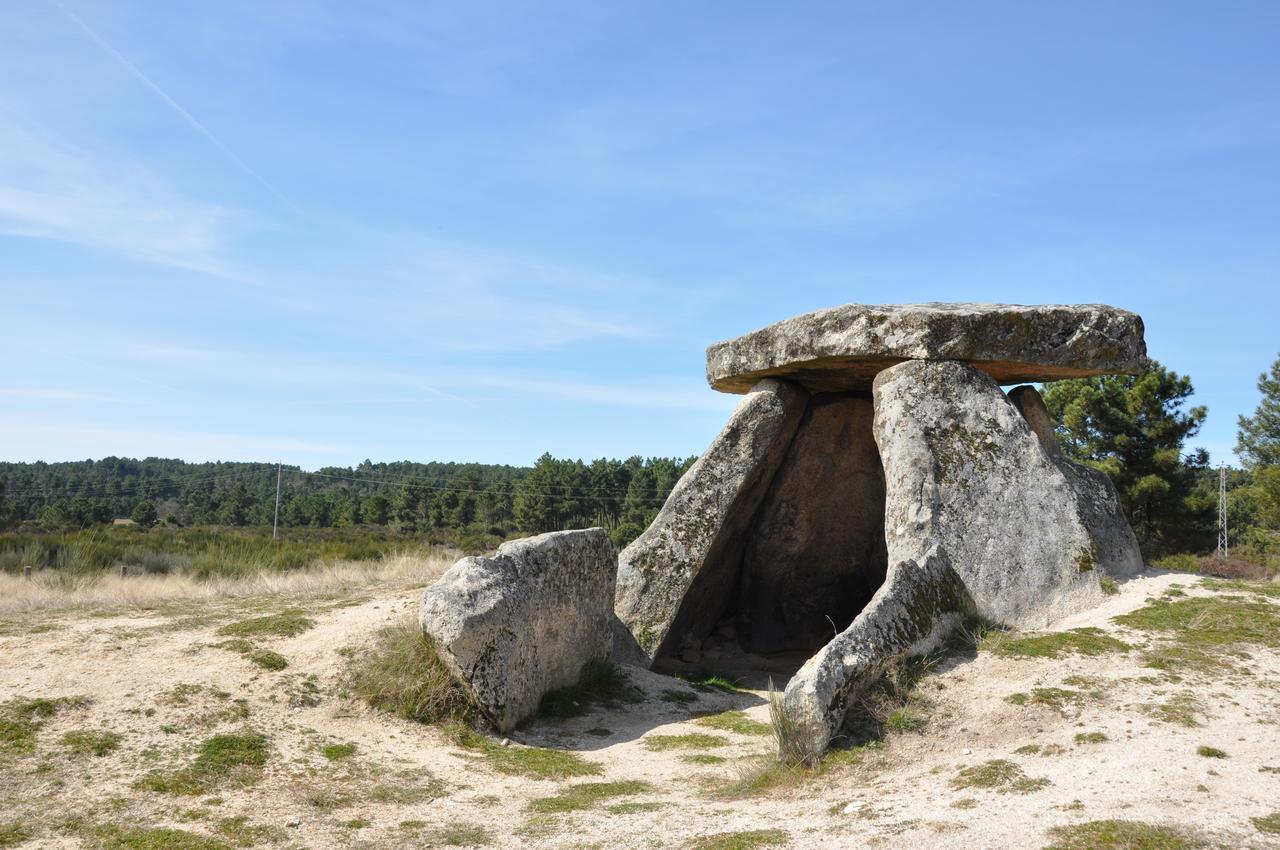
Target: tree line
{"type": "Point", "coordinates": [1133, 427]}
{"type": "Point", "coordinates": [455, 498]}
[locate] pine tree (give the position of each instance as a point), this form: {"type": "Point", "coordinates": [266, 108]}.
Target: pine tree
{"type": "Point", "coordinates": [1258, 441]}
{"type": "Point", "coordinates": [1133, 428]}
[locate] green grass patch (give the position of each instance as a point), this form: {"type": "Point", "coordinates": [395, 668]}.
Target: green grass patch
{"type": "Point", "coordinates": [601, 683]}
{"type": "Point", "coordinates": [586, 795]}
{"type": "Point", "coordinates": [1084, 641]}
{"type": "Point", "coordinates": [1268, 823]}
{"type": "Point", "coordinates": [1201, 634]}
{"type": "Point", "coordinates": [1090, 738]}
{"type": "Point", "coordinates": [1121, 835]}
{"type": "Point", "coordinates": [1056, 698]}
{"type": "Point", "coordinates": [402, 673]}
{"type": "Point", "coordinates": [288, 623]}
{"type": "Point", "coordinates": [1000, 775]}
{"type": "Point", "coordinates": [267, 659]}
{"type": "Point", "coordinates": [748, 840]}
{"type": "Point", "coordinates": [634, 808]}
{"type": "Point", "coordinates": [734, 721]}
{"type": "Point", "coordinates": [712, 682]}
{"type": "Point", "coordinates": [688, 741]}
{"type": "Point", "coordinates": [113, 837]}
{"type": "Point", "coordinates": [1211, 752]}
{"type": "Point", "coordinates": [338, 752]}
{"type": "Point", "coordinates": [245, 834]}
{"type": "Point", "coordinates": [91, 742]}
{"type": "Point", "coordinates": [459, 834]}
{"type": "Point", "coordinates": [703, 758]}
{"type": "Point", "coordinates": [221, 759]}
{"type": "Point", "coordinates": [522, 761]}
{"type": "Point", "coordinates": [22, 717]}
{"type": "Point", "coordinates": [13, 833]}
{"type": "Point", "coordinates": [1183, 709]}
{"type": "Point", "coordinates": [1109, 586]}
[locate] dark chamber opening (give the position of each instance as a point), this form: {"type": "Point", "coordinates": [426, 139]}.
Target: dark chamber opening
{"type": "Point", "coordinates": [801, 554]}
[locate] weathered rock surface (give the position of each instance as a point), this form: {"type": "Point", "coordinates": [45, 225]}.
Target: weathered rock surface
{"type": "Point", "coordinates": [817, 552]}
{"type": "Point", "coordinates": [677, 577]}
{"type": "Point", "coordinates": [524, 622]}
{"type": "Point", "coordinates": [918, 605]}
{"type": "Point", "coordinates": [966, 475]}
{"type": "Point", "coordinates": [1099, 503]}
{"type": "Point", "coordinates": [843, 348]}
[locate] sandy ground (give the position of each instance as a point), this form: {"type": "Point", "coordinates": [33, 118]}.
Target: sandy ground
{"type": "Point", "coordinates": [138, 668]}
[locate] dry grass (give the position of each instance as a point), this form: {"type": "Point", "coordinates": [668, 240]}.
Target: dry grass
{"type": "Point", "coordinates": [53, 590]}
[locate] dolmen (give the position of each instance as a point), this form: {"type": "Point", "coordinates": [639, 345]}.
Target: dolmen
{"type": "Point", "coordinates": [873, 489]}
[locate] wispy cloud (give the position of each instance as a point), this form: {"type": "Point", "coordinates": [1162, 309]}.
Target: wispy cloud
{"type": "Point", "coordinates": [164, 96]}
{"type": "Point", "coordinates": [50, 191]}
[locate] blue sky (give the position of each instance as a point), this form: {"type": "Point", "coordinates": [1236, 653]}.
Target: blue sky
{"type": "Point", "coordinates": [324, 232]}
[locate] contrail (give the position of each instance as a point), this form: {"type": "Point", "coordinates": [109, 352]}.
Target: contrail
{"type": "Point", "coordinates": [173, 104]}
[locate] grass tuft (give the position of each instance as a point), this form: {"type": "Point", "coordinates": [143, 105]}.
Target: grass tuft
{"type": "Point", "coordinates": [459, 834]}
{"type": "Point", "coordinates": [734, 721]}
{"type": "Point", "coordinates": [267, 659]}
{"type": "Point", "coordinates": [402, 673]}
{"type": "Point", "coordinates": [112, 837]}
{"type": "Point", "coordinates": [748, 840]}
{"type": "Point", "coordinates": [1211, 752]}
{"type": "Point", "coordinates": [338, 752]}
{"type": "Point", "coordinates": [687, 741]}
{"type": "Point", "coordinates": [601, 683]}
{"type": "Point", "coordinates": [522, 761]}
{"type": "Point", "coordinates": [1268, 823]}
{"type": "Point", "coordinates": [95, 742]}
{"type": "Point", "coordinates": [587, 794]}
{"type": "Point", "coordinates": [220, 759]}
{"type": "Point", "coordinates": [13, 833]}
{"type": "Point", "coordinates": [1121, 835]}
{"type": "Point", "coordinates": [1090, 738]}
{"type": "Point", "coordinates": [1084, 641]}
{"type": "Point", "coordinates": [288, 623]}
{"type": "Point", "coordinates": [1056, 698]}
{"type": "Point", "coordinates": [999, 774]}
{"type": "Point", "coordinates": [21, 719]}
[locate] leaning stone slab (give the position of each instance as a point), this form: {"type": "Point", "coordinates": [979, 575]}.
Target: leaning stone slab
{"type": "Point", "coordinates": [1096, 495]}
{"type": "Point", "coordinates": [966, 476]}
{"type": "Point", "coordinates": [843, 348]}
{"type": "Point", "coordinates": [526, 621]}
{"type": "Point", "coordinates": [687, 559]}
{"type": "Point", "coordinates": [918, 605]}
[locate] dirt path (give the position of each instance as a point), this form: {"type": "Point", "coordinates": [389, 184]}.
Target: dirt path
{"type": "Point", "coordinates": [1091, 737]}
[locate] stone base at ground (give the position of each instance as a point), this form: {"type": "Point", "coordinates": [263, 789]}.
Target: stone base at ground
{"type": "Point", "coordinates": [526, 621]}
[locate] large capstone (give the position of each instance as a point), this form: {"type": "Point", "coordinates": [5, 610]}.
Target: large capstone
{"type": "Point", "coordinates": [844, 348]}
{"type": "Point", "coordinates": [676, 577]}
{"type": "Point", "coordinates": [967, 477]}
{"type": "Point", "coordinates": [526, 621]}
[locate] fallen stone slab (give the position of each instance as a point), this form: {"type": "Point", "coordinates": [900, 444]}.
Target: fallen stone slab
{"type": "Point", "coordinates": [526, 621]}
{"type": "Point", "coordinates": [912, 613]}
{"type": "Point", "coordinates": [844, 348]}
{"type": "Point", "coordinates": [678, 574]}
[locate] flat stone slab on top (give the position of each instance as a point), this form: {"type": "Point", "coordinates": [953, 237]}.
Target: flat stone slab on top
{"type": "Point", "coordinates": [844, 348]}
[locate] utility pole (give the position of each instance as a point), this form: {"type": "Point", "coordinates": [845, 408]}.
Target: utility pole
{"type": "Point", "coordinates": [275, 523]}
{"type": "Point", "coordinates": [1222, 511]}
